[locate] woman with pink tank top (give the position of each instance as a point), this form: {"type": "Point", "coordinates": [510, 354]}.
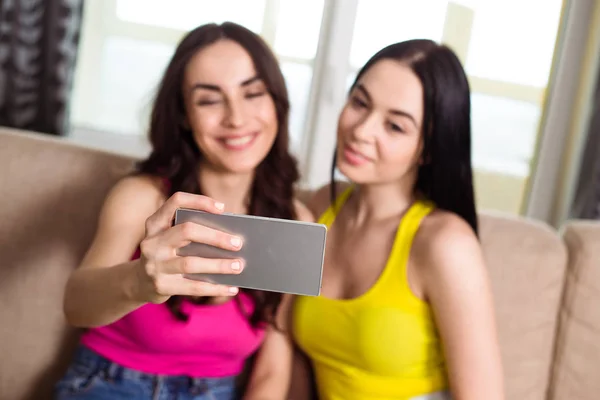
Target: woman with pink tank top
{"type": "Point", "coordinates": [219, 130]}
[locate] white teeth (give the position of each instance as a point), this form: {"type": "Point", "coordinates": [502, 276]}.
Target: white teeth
{"type": "Point", "coordinates": [239, 141]}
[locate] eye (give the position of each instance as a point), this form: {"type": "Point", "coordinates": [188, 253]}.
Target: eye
{"type": "Point", "coordinates": [207, 102]}
{"type": "Point", "coordinates": [395, 127]}
{"type": "Point", "coordinates": [256, 94]}
{"type": "Point", "coordinates": [358, 102]}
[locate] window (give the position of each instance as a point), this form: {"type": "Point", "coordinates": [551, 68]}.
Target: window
{"type": "Point", "coordinates": [321, 44]}
{"type": "Point", "coordinates": [520, 55]}
{"type": "Point", "coordinates": [508, 70]}
{"type": "Point", "coordinates": [185, 15]}
{"type": "Point", "coordinates": [127, 44]}
{"type": "Point", "coordinates": [382, 22]}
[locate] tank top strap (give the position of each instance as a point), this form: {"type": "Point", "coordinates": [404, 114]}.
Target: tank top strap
{"type": "Point", "coordinates": [398, 260]}
{"type": "Point", "coordinates": [331, 212]}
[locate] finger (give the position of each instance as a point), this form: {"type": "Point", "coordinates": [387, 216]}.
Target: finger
{"type": "Point", "coordinates": [199, 265]}
{"type": "Point", "coordinates": [178, 285]}
{"type": "Point", "coordinates": [183, 234]}
{"type": "Point", "coordinates": [199, 288]}
{"type": "Point", "coordinates": [163, 217]}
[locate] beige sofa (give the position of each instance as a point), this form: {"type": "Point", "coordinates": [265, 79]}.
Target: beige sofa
{"type": "Point", "coordinates": [546, 284]}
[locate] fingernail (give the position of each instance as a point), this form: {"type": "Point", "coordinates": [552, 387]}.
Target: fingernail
{"type": "Point", "coordinates": [235, 265]}
{"type": "Point", "coordinates": [236, 241]}
{"type": "Point", "coordinates": [220, 206]}
{"type": "Point", "coordinates": [233, 290]}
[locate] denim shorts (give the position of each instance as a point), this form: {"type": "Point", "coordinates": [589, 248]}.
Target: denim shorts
{"type": "Point", "coordinates": [93, 377]}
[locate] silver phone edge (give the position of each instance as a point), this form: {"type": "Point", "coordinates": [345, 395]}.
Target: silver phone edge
{"type": "Point", "coordinates": [190, 276]}
{"type": "Point", "coordinates": [323, 226]}
{"type": "Point", "coordinates": [251, 217]}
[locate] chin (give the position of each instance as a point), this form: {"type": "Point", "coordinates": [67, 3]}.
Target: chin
{"type": "Point", "coordinates": [243, 163]}
{"type": "Point", "coordinates": [238, 167]}
{"type": "Point", "coordinates": [356, 175]}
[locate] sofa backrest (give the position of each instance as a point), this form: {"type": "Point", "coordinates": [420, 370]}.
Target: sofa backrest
{"type": "Point", "coordinates": [527, 262]}
{"type": "Point", "coordinates": [51, 195]}
{"type": "Point", "coordinates": [577, 357]}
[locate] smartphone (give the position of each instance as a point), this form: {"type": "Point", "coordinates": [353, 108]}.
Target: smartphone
{"type": "Point", "coordinates": [280, 255]}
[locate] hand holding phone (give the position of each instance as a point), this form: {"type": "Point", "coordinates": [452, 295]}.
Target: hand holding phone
{"type": "Point", "coordinates": [280, 255]}
{"type": "Point", "coordinates": [162, 269]}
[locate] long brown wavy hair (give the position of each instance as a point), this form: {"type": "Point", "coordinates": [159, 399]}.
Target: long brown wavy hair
{"type": "Point", "coordinates": [175, 156]}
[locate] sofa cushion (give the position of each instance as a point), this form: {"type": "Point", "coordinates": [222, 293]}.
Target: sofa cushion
{"type": "Point", "coordinates": [577, 346]}
{"type": "Point", "coordinates": [527, 262]}
{"type": "Point", "coordinates": [51, 195]}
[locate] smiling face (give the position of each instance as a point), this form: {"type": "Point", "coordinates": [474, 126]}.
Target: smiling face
{"type": "Point", "coordinates": [379, 129]}
{"type": "Point", "coordinates": [228, 108]}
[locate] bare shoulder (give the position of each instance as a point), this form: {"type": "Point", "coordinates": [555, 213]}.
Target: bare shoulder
{"type": "Point", "coordinates": [303, 213]}
{"type": "Point", "coordinates": [136, 192]}
{"type": "Point", "coordinates": [121, 224]}
{"type": "Point", "coordinates": [456, 284]}
{"type": "Point", "coordinates": [130, 202]}
{"type": "Point", "coordinates": [446, 244]}
{"type": "Point", "coordinates": [135, 183]}
{"type": "Point", "coordinates": [443, 225]}
{"type": "Point", "coordinates": [321, 198]}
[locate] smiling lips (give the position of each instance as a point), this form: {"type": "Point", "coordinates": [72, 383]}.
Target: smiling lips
{"type": "Point", "coordinates": [353, 157]}
{"type": "Point", "coordinates": [239, 142]}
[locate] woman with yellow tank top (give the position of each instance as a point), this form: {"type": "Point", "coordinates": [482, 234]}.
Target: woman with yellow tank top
{"type": "Point", "coordinates": [405, 310]}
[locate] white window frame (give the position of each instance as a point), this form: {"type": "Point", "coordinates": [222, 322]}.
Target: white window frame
{"type": "Point", "coordinates": [331, 67]}
{"type": "Point", "coordinates": [328, 91]}
{"type": "Point", "coordinates": [96, 30]}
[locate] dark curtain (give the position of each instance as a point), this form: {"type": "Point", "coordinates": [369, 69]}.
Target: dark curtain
{"type": "Point", "coordinates": [586, 204]}
{"type": "Point", "coordinates": [38, 48]}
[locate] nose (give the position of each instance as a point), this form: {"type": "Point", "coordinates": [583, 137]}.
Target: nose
{"type": "Point", "coordinates": [365, 129]}
{"type": "Point", "coordinates": [236, 114]}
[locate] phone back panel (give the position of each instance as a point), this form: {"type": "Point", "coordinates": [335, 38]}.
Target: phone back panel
{"type": "Point", "coordinates": [280, 255]}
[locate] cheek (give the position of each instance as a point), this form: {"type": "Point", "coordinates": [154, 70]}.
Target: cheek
{"type": "Point", "coordinates": [398, 151]}
{"type": "Point", "coordinates": [346, 121]}
{"type": "Point", "coordinates": [204, 123]}
{"type": "Point", "coordinates": [265, 111]}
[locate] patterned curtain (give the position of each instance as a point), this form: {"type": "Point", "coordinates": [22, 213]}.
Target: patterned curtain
{"type": "Point", "coordinates": [587, 196]}
{"type": "Point", "coordinates": [38, 48]}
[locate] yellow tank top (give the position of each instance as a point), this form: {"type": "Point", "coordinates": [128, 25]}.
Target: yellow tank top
{"type": "Point", "coordinates": [380, 345]}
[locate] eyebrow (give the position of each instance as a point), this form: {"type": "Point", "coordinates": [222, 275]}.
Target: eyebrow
{"type": "Point", "coordinates": [216, 88]}
{"type": "Point", "coordinates": [400, 113]}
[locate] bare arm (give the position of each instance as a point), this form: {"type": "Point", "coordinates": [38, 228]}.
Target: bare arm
{"type": "Point", "coordinates": [108, 285]}
{"type": "Point", "coordinates": [272, 370]}
{"type": "Point", "coordinates": [456, 284]}
{"type": "Point", "coordinates": [302, 384]}
{"type": "Point", "coordinates": [319, 200]}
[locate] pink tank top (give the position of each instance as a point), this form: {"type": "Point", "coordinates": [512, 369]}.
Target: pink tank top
{"type": "Point", "coordinates": [214, 342]}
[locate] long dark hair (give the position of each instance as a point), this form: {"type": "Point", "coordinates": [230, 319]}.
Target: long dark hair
{"type": "Point", "coordinates": [175, 156]}
{"type": "Point", "coordinates": [445, 176]}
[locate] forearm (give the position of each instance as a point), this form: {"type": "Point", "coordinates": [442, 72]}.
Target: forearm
{"type": "Point", "coordinates": [277, 386]}
{"type": "Point", "coordinates": [100, 296]}
{"type": "Point", "coordinates": [266, 386]}
{"type": "Point", "coordinates": [302, 381]}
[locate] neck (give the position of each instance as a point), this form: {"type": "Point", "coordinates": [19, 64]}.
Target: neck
{"type": "Point", "coordinates": [378, 202]}
{"type": "Point", "coordinates": [232, 189]}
